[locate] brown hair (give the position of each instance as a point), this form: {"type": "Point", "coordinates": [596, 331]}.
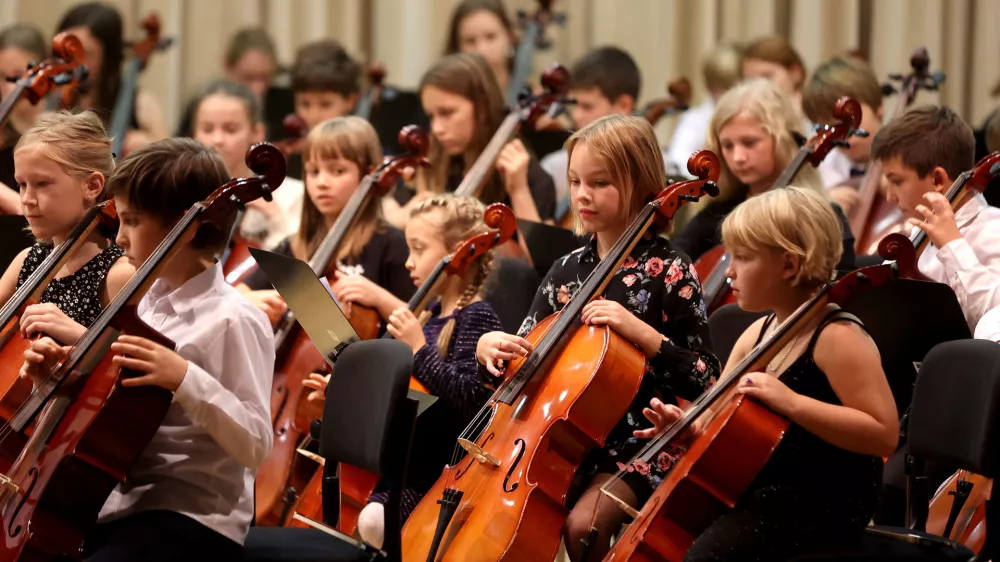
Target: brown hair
{"type": "Point", "coordinates": [467, 75]}
{"type": "Point", "coordinates": [233, 90]}
{"type": "Point", "coordinates": [609, 69]}
{"type": "Point", "coordinates": [249, 39]}
{"type": "Point", "coordinates": [351, 138]}
{"type": "Point", "coordinates": [777, 50]}
{"type": "Point", "coordinates": [462, 218]}
{"type": "Point", "coordinates": [25, 37]}
{"type": "Point", "coordinates": [78, 143]}
{"type": "Point", "coordinates": [993, 132]}
{"type": "Point", "coordinates": [836, 78]}
{"type": "Point", "coordinates": [468, 7]}
{"type": "Point", "coordinates": [926, 137]}
{"type": "Point", "coordinates": [789, 219]}
{"type": "Point", "coordinates": [626, 147]}
{"type": "Point", "coordinates": [165, 178]}
{"type": "Point", "coordinates": [325, 66]}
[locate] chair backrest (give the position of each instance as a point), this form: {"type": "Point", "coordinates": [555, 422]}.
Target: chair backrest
{"type": "Point", "coordinates": [726, 325]}
{"type": "Point", "coordinates": [955, 411]}
{"type": "Point", "coordinates": [510, 290]}
{"type": "Point", "coordinates": [368, 385]}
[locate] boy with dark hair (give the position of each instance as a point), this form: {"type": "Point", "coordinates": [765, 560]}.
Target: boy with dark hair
{"type": "Point", "coordinates": [922, 153]}
{"type": "Point", "coordinates": [190, 494]}
{"type": "Point", "coordinates": [326, 82]}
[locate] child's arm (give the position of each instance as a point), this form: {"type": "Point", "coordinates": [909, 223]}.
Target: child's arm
{"type": "Point", "coordinates": [867, 421]}
{"type": "Point", "coordinates": [232, 404]}
{"type": "Point", "coordinates": [513, 164]}
{"type": "Point", "coordinates": [8, 282]}
{"type": "Point", "coordinates": [119, 274]}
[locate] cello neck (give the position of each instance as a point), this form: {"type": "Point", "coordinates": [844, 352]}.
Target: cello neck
{"type": "Point", "coordinates": [793, 168]}
{"type": "Point", "coordinates": [473, 182]}
{"type": "Point", "coordinates": [523, 59]}
{"type": "Point", "coordinates": [124, 106]}
{"type": "Point", "coordinates": [330, 246]}
{"type": "Point", "coordinates": [7, 105]}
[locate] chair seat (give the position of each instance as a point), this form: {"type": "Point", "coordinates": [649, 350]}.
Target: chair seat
{"type": "Point", "coordinates": [893, 543]}
{"type": "Point", "coordinates": [278, 544]}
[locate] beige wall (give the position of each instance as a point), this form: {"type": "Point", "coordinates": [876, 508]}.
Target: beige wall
{"type": "Point", "coordinates": [667, 37]}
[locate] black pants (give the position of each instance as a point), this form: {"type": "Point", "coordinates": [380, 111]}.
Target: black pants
{"type": "Point", "coordinates": [155, 536]}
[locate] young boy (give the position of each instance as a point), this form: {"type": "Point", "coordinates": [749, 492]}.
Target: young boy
{"type": "Point", "coordinates": [190, 494]}
{"type": "Point", "coordinates": [606, 81]}
{"type": "Point", "coordinates": [922, 152]}
{"type": "Point", "coordinates": [326, 82]}
{"type": "Point", "coordinates": [835, 78]}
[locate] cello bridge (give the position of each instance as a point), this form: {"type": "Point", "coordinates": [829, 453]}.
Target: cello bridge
{"type": "Point", "coordinates": [628, 509]}
{"type": "Point", "coordinates": [8, 485]}
{"type": "Point", "coordinates": [478, 453]}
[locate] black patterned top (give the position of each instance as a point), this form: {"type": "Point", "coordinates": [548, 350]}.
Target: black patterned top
{"type": "Point", "coordinates": [659, 286]}
{"type": "Point", "coordinates": [78, 295]}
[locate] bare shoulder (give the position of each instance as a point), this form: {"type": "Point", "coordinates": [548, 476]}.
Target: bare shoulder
{"type": "Point", "coordinates": [745, 343]}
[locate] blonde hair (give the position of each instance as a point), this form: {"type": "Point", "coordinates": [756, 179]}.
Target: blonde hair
{"type": "Point", "coordinates": [763, 102]}
{"type": "Point", "coordinates": [461, 217]}
{"type": "Point", "coordinates": [79, 143]}
{"type": "Point", "coordinates": [775, 49]}
{"type": "Point", "coordinates": [350, 138]}
{"type": "Point", "coordinates": [626, 147]}
{"type": "Point", "coordinates": [789, 219]}
{"type": "Point", "coordinates": [721, 68]}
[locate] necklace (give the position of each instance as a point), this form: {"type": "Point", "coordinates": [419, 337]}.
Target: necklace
{"type": "Point", "coordinates": [773, 370]}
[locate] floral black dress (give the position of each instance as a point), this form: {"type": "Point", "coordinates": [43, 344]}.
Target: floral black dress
{"type": "Point", "coordinates": [659, 286]}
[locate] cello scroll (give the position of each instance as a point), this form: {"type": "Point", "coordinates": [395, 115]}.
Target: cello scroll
{"type": "Point", "coordinates": [497, 217]}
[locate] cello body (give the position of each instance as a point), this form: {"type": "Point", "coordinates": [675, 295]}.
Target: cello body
{"type": "Point", "coordinates": [711, 269]}
{"type": "Point", "coordinates": [705, 482]}
{"type": "Point", "coordinates": [970, 524]}
{"type": "Point", "coordinates": [884, 218]}
{"type": "Point", "coordinates": [515, 511]}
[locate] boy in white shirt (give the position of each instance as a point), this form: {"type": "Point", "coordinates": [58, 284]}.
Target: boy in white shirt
{"type": "Point", "coordinates": [190, 494]}
{"type": "Point", "coordinates": [922, 152]}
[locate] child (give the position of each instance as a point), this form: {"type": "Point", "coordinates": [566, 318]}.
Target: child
{"type": "Point", "coordinates": [465, 108]}
{"type": "Point", "coordinates": [20, 45]}
{"type": "Point", "coordinates": [326, 82]}
{"type": "Point", "coordinates": [654, 301]}
{"type": "Point", "coordinates": [99, 28]}
{"type": "Point", "coordinates": [752, 130]}
{"type": "Point", "coordinates": [483, 27]}
{"type": "Point", "coordinates": [190, 494]}
{"type": "Point", "coordinates": [444, 352]}
{"type": "Point", "coordinates": [371, 263]}
{"type": "Point", "coordinates": [605, 81]}
{"type": "Point", "coordinates": [721, 71]}
{"type": "Point", "coordinates": [62, 163]}
{"type": "Point", "coordinates": [836, 78]}
{"type": "Point", "coordinates": [227, 117]}
{"type": "Point", "coordinates": [820, 485]}
{"type": "Point", "coordinates": [252, 60]}
{"type": "Point", "coordinates": [922, 152]}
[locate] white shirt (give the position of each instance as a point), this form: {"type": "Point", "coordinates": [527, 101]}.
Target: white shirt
{"type": "Point", "coordinates": [989, 326]}
{"type": "Point", "coordinates": [835, 169]}
{"type": "Point", "coordinates": [690, 135]}
{"type": "Point", "coordinates": [281, 224]}
{"type": "Point", "coordinates": [970, 265]}
{"type": "Point", "coordinates": [203, 460]}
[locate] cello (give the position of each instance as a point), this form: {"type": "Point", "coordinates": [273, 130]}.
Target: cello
{"type": "Point", "coordinates": [357, 485]}
{"type": "Point", "coordinates": [371, 98]}
{"type": "Point", "coordinates": [958, 509]}
{"type": "Point", "coordinates": [504, 499]}
{"type": "Point", "coordinates": [64, 69]}
{"type": "Point", "coordinates": [297, 357]}
{"type": "Point", "coordinates": [533, 38]}
{"type": "Point", "coordinates": [92, 429]}
{"type": "Point", "coordinates": [125, 102]}
{"type": "Point", "coordinates": [711, 473]}
{"type": "Point", "coordinates": [711, 266]}
{"type": "Point", "coordinates": [101, 219]}
{"type": "Point", "coordinates": [873, 216]}
{"type": "Point", "coordinates": [679, 100]}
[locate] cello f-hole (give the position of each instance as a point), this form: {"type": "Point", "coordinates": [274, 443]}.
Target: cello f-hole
{"type": "Point", "coordinates": [12, 531]}
{"type": "Point", "coordinates": [509, 488]}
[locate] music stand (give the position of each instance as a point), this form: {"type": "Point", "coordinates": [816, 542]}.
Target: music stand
{"type": "Point", "coordinates": [15, 236]}
{"type": "Point", "coordinates": [316, 309]}
{"type": "Point", "coordinates": [547, 243]}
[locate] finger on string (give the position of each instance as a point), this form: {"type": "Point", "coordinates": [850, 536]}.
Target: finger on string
{"type": "Point", "coordinates": [131, 350]}
{"type": "Point", "coordinates": [645, 433]}
{"type": "Point", "coordinates": [133, 364]}
{"type": "Point", "coordinates": [136, 340]}
{"type": "Point", "coordinates": [145, 380]}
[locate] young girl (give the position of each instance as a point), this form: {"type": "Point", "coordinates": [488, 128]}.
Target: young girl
{"type": "Point", "coordinates": [20, 45]}
{"type": "Point", "coordinates": [483, 27]}
{"type": "Point", "coordinates": [444, 353]}
{"type": "Point", "coordinates": [99, 28]}
{"type": "Point", "coordinates": [821, 483]}
{"type": "Point", "coordinates": [371, 263]}
{"type": "Point", "coordinates": [654, 301]}
{"type": "Point", "coordinates": [465, 107]}
{"type": "Point", "coordinates": [62, 164]}
{"type": "Point", "coordinates": [227, 117]}
{"type": "Point", "coordinates": [752, 130]}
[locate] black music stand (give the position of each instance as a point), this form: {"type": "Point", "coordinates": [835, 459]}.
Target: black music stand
{"type": "Point", "coordinates": [15, 237]}
{"type": "Point", "coordinates": [547, 243]}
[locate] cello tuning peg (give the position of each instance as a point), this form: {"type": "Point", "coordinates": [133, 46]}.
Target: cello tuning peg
{"type": "Point", "coordinates": [841, 143]}
{"type": "Point", "coordinates": [888, 89]}
{"type": "Point", "coordinates": [688, 198]}
{"type": "Point", "coordinates": [896, 77]}
{"type": "Point", "coordinates": [860, 133]}
{"type": "Point", "coordinates": [31, 64]}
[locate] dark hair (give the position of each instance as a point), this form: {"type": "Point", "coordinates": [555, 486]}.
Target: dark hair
{"type": "Point", "coordinates": [165, 178]}
{"type": "Point", "coordinates": [105, 24]}
{"type": "Point", "coordinates": [468, 7]}
{"type": "Point", "coordinates": [927, 137]}
{"type": "Point", "coordinates": [25, 37]}
{"type": "Point", "coordinates": [835, 78]}
{"type": "Point", "coordinates": [249, 39]}
{"type": "Point", "coordinates": [325, 66]}
{"type": "Point", "coordinates": [775, 49]}
{"type": "Point", "coordinates": [610, 70]}
{"type": "Point", "coordinates": [234, 90]}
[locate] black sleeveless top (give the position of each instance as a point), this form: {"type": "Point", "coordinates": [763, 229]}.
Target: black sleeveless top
{"type": "Point", "coordinates": [803, 460]}
{"type": "Point", "coordinates": [78, 295]}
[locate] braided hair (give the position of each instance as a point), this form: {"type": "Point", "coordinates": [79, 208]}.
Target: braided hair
{"type": "Point", "coordinates": [460, 218]}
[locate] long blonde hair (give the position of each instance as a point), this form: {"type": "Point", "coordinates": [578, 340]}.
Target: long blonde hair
{"type": "Point", "coordinates": [460, 218]}
{"type": "Point", "coordinates": [763, 102]}
{"type": "Point", "coordinates": [79, 143]}
{"type": "Point", "coordinates": [626, 147]}
{"type": "Point", "coordinates": [351, 138]}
